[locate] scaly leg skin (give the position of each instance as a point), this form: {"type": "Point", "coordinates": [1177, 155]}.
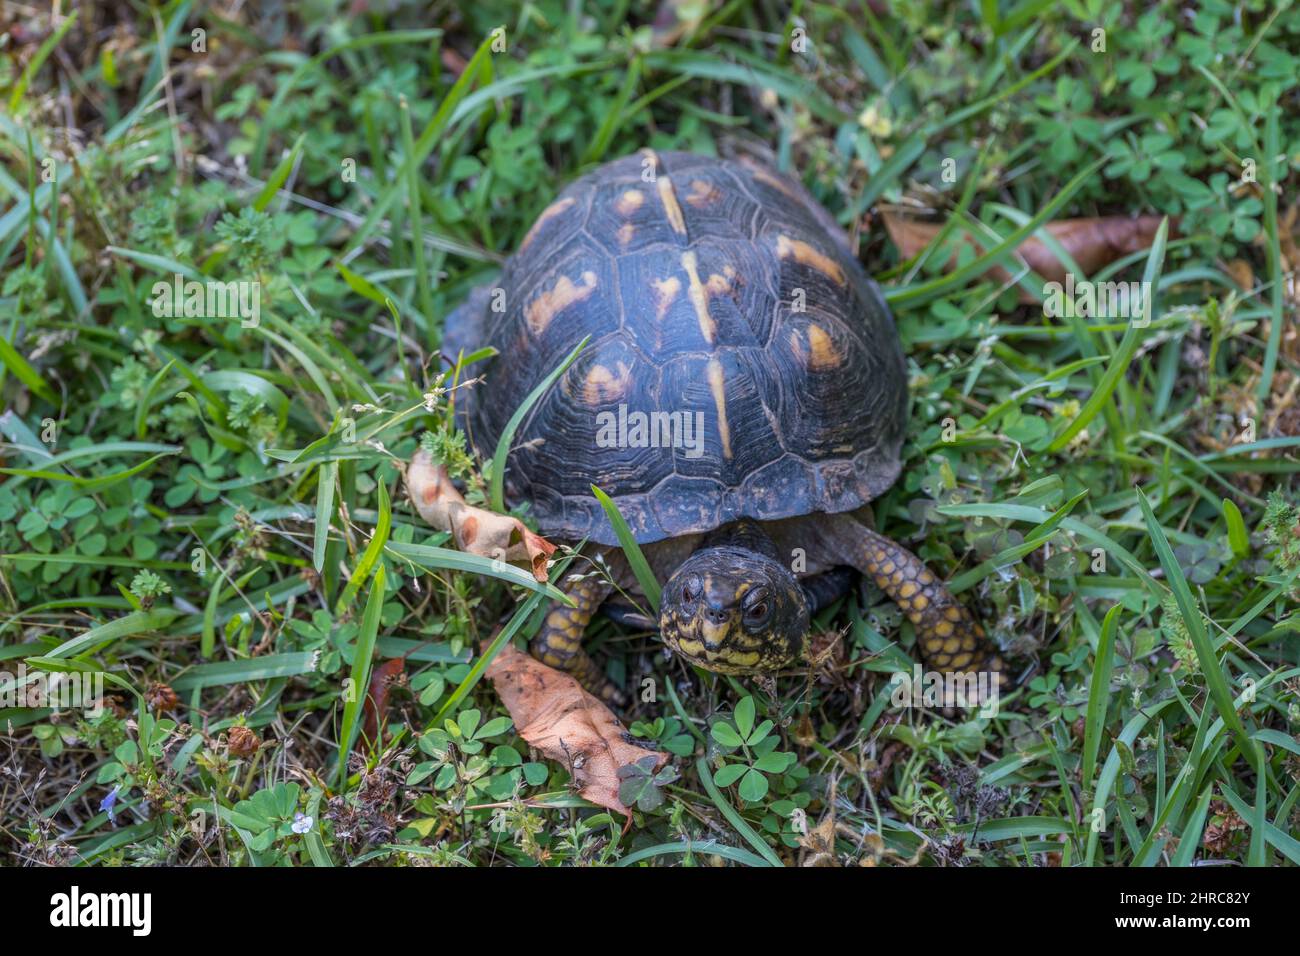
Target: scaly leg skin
{"type": "Point", "coordinates": [559, 642]}
{"type": "Point", "coordinates": [948, 636]}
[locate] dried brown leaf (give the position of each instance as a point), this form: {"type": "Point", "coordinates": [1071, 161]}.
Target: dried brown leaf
{"type": "Point", "coordinates": [375, 707]}
{"type": "Point", "coordinates": [1092, 242]}
{"type": "Point", "coordinates": [475, 530]}
{"type": "Point", "coordinates": [553, 713]}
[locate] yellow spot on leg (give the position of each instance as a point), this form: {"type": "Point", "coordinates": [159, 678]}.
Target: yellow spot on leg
{"type": "Point", "coordinates": [625, 234]}
{"type": "Point", "coordinates": [717, 385]}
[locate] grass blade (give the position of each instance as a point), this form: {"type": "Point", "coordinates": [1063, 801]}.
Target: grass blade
{"type": "Point", "coordinates": [1220, 692]}
{"type": "Point", "coordinates": [1127, 347]}
{"type": "Point", "coordinates": [1099, 695]}
{"type": "Point", "coordinates": [378, 538]}
{"type": "Point", "coordinates": [25, 373]}
{"type": "Point", "coordinates": [735, 819]}
{"type": "Point", "coordinates": [635, 557]}
{"type": "Point", "coordinates": [497, 486]}
{"type": "Point", "coordinates": [1238, 538]}
{"type": "Point", "coordinates": [360, 674]}
{"type": "Point", "coordinates": [37, 61]}
{"type": "Point", "coordinates": [329, 475]}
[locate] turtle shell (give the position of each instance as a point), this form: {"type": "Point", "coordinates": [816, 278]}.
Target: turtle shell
{"type": "Point", "coordinates": [740, 363]}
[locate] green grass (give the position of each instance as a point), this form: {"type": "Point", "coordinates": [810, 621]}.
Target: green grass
{"type": "Point", "coordinates": [188, 502]}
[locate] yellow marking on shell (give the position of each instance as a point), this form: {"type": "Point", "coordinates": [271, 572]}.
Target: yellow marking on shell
{"type": "Point", "coordinates": [629, 202]}
{"type": "Point", "coordinates": [605, 385]}
{"type": "Point", "coordinates": [944, 629]}
{"type": "Point", "coordinates": [699, 294]}
{"type": "Point", "coordinates": [952, 613]}
{"type": "Point", "coordinates": [718, 285]}
{"type": "Point", "coordinates": [666, 290]}
{"type": "Point", "coordinates": [920, 602]}
{"type": "Point", "coordinates": [952, 645]}
{"type": "Point", "coordinates": [806, 255]}
{"type": "Point", "coordinates": [823, 355]}
{"type": "Point", "coordinates": [549, 213]}
{"type": "Point", "coordinates": [739, 659]}
{"type": "Point", "coordinates": [625, 234]}
{"type": "Point", "coordinates": [547, 305]}
{"type": "Point", "coordinates": [702, 194]}
{"type": "Point", "coordinates": [717, 385]}
{"type": "Point", "coordinates": [668, 196]}
{"type": "Point", "coordinates": [907, 590]}
{"type": "Point", "coordinates": [770, 179]}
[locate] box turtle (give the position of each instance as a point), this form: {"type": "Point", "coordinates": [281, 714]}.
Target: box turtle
{"type": "Point", "coordinates": [742, 393]}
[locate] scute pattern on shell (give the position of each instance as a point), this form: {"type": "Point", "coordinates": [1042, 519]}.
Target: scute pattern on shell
{"type": "Point", "coordinates": [688, 285]}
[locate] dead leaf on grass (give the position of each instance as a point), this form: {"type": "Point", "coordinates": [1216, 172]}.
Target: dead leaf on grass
{"type": "Point", "coordinates": [1092, 242]}
{"type": "Point", "coordinates": [475, 530]}
{"type": "Point", "coordinates": [553, 713]}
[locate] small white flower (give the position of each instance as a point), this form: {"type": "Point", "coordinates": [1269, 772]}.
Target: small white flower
{"type": "Point", "coordinates": [302, 823]}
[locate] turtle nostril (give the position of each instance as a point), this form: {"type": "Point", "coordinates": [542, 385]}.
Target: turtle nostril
{"type": "Point", "coordinates": [715, 615]}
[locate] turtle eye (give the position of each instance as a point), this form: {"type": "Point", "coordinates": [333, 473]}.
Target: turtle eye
{"type": "Point", "coordinates": [691, 588]}
{"type": "Point", "coordinates": [757, 608]}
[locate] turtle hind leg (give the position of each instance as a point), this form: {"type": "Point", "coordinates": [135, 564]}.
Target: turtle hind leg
{"type": "Point", "coordinates": [947, 634]}
{"type": "Point", "coordinates": [558, 643]}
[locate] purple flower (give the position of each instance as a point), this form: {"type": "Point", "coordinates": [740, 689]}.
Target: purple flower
{"type": "Point", "coordinates": [302, 823]}
{"type": "Point", "coordinates": [108, 804]}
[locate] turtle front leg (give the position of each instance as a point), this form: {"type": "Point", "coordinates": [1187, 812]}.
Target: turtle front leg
{"type": "Point", "coordinates": [559, 642]}
{"type": "Point", "coordinates": [949, 637]}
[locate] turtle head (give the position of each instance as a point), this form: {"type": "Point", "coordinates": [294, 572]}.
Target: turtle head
{"type": "Point", "coordinates": [734, 611]}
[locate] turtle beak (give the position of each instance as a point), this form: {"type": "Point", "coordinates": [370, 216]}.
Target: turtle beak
{"type": "Point", "coordinates": [713, 635]}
